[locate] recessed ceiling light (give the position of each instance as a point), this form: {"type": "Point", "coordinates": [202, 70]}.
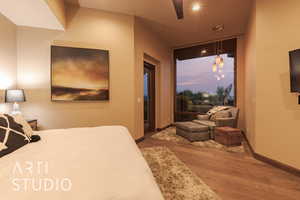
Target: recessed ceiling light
{"type": "Point", "coordinates": [196, 7]}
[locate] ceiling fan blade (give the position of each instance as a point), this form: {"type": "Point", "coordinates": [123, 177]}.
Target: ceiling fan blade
{"type": "Point", "coordinates": [178, 4]}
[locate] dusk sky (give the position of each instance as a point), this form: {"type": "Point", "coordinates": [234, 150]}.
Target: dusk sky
{"type": "Point", "coordinates": [197, 75]}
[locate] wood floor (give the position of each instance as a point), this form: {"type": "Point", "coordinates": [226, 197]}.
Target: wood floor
{"type": "Point", "coordinates": [234, 176]}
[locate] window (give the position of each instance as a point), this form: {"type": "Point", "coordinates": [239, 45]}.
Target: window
{"type": "Point", "coordinates": [198, 86]}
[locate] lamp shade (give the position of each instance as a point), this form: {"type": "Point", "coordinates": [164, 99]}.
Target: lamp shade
{"type": "Point", "coordinates": [12, 96]}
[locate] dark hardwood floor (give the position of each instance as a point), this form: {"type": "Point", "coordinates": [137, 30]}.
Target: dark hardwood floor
{"type": "Point", "coordinates": [234, 176]}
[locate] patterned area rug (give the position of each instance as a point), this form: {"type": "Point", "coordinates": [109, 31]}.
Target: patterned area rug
{"type": "Point", "coordinates": [169, 134]}
{"type": "Point", "coordinates": [175, 179]}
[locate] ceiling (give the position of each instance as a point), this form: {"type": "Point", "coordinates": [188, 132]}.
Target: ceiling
{"type": "Point", "coordinates": [26, 12]}
{"type": "Point", "coordinates": [160, 16]}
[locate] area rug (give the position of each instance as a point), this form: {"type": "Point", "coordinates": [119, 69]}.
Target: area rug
{"type": "Point", "coordinates": [175, 179]}
{"type": "Point", "coordinates": [169, 134]}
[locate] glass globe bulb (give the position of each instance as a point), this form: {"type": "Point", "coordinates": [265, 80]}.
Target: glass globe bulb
{"type": "Point", "coordinates": [221, 64]}
{"type": "Point", "coordinates": [214, 68]}
{"type": "Point", "coordinates": [218, 60]}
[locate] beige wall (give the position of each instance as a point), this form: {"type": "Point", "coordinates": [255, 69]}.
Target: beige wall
{"type": "Point", "coordinates": [8, 58]}
{"type": "Point", "coordinates": [240, 81]}
{"type": "Point", "coordinates": [273, 113]}
{"type": "Point", "coordinates": [58, 8]}
{"type": "Point", "coordinates": [152, 49]}
{"type": "Point", "coordinates": [250, 78]}
{"type": "Point", "coordinates": [278, 112]}
{"type": "Point", "coordinates": [129, 43]}
{"type": "Point", "coordinates": [87, 28]}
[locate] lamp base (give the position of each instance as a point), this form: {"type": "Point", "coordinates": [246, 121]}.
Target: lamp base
{"type": "Point", "coordinates": [16, 109]}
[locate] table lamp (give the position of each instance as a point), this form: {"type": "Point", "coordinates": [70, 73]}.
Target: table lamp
{"type": "Point", "coordinates": [15, 96]}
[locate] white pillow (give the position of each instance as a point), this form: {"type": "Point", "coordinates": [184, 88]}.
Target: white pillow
{"type": "Point", "coordinates": [212, 111]}
{"type": "Point", "coordinates": [26, 127]}
{"type": "Point", "coordinates": [216, 109]}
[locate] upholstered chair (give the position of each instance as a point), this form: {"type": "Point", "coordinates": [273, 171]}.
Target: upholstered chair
{"type": "Point", "coordinates": [220, 120]}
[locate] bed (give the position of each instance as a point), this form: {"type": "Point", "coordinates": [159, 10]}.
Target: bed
{"type": "Point", "coordinates": [100, 163]}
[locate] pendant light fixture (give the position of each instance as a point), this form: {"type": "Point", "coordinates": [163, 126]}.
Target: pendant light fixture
{"type": "Point", "coordinates": [215, 65]}
{"type": "Point", "coordinates": [219, 61]}
{"type": "Point", "coordinates": [219, 51]}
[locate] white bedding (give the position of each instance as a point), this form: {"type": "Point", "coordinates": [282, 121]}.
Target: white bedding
{"type": "Point", "coordinates": [101, 163]}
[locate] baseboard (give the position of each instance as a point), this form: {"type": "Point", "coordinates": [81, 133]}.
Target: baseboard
{"type": "Point", "coordinates": [139, 140]}
{"type": "Point", "coordinates": [249, 145]}
{"type": "Point", "coordinates": [161, 129]}
{"type": "Point", "coordinates": [274, 163]}
{"type": "Point", "coordinates": [277, 164]}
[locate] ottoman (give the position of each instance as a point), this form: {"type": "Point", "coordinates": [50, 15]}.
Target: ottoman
{"type": "Point", "coordinates": [192, 131]}
{"type": "Point", "coordinates": [228, 136]}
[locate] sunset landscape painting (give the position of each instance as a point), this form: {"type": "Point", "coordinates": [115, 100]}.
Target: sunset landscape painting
{"type": "Point", "coordinates": [79, 74]}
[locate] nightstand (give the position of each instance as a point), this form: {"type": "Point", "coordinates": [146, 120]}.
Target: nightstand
{"type": "Point", "coordinates": [34, 124]}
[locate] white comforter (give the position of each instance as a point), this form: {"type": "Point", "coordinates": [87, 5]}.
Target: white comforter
{"type": "Point", "coordinates": [101, 163]}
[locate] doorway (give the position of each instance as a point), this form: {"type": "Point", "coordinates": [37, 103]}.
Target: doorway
{"type": "Point", "coordinates": [149, 97]}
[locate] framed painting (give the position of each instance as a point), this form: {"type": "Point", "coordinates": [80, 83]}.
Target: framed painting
{"type": "Point", "coordinates": [79, 74]}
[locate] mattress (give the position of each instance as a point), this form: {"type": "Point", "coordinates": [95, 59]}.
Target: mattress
{"type": "Point", "coordinates": [100, 163]}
